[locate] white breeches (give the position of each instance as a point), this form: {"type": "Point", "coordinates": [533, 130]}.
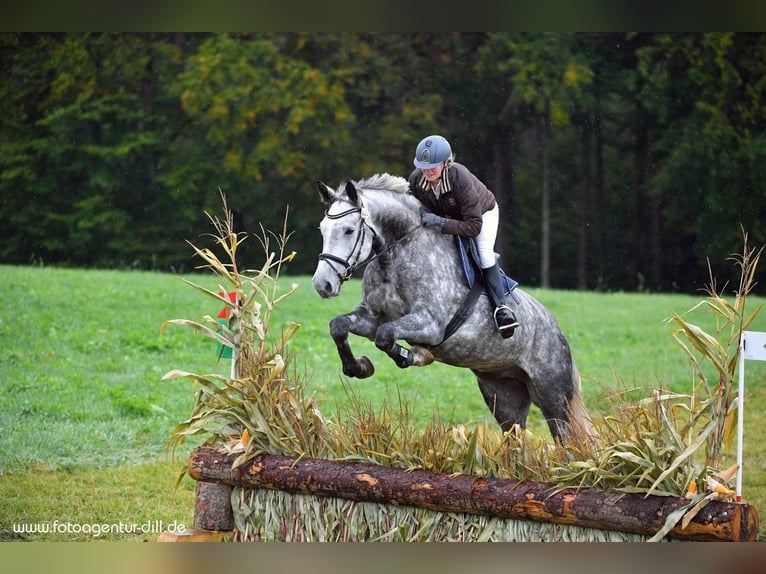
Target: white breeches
{"type": "Point", "coordinates": [485, 241]}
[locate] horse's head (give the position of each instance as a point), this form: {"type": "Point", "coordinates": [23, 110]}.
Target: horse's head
{"type": "Point", "coordinates": [347, 238]}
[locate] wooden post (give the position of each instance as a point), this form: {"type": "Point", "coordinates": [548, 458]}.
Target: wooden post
{"type": "Point", "coordinates": [213, 515]}
{"type": "Point", "coordinates": [212, 506]}
{"type": "Point", "coordinates": [591, 508]}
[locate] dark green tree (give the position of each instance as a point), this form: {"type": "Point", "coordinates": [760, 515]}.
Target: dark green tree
{"type": "Point", "coordinates": [620, 161]}
{"type": "Point", "coordinates": [707, 93]}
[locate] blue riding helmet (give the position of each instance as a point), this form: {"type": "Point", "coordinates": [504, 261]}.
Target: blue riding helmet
{"type": "Point", "coordinates": [432, 151]}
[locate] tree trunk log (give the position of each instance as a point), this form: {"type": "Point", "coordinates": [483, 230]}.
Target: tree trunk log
{"type": "Point", "coordinates": [503, 498]}
{"type": "Point", "coordinates": [212, 506]}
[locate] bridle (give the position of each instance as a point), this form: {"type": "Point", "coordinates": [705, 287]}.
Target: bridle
{"type": "Point", "coordinates": [353, 262]}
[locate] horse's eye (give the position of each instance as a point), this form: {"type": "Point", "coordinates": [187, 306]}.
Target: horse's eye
{"type": "Point", "coordinates": [348, 231]}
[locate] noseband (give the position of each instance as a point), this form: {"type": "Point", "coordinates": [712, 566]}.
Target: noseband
{"type": "Point", "coordinates": [350, 266]}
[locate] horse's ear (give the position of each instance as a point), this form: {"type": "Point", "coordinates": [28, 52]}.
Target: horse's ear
{"type": "Point", "coordinates": [325, 193]}
{"type": "Point", "coordinates": [351, 192]}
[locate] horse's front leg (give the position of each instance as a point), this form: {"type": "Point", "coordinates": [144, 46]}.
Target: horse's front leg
{"type": "Point", "coordinates": [416, 326]}
{"type": "Point", "coordinates": [360, 322]}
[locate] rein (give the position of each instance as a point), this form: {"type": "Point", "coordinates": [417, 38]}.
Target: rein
{"type": "Point", "coordinates": [349, 267]}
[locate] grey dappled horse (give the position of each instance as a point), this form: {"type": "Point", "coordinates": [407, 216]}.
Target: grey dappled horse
{"type": "Point", "coordinates": [412, 286]}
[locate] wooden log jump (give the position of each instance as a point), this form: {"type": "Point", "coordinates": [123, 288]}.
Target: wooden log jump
{"type": "Point", "coordinates": [503, 498]}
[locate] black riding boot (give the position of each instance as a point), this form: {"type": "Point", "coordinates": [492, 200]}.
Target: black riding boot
{"type": "Point", "coordinates": [505, 320]}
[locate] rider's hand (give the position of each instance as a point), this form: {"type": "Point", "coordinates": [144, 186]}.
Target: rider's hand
{"type": "Point", "coordinates": [431, 219]}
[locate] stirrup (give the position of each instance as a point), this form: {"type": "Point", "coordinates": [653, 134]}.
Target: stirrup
{"type": "Point", "coordinates": [506, 329]}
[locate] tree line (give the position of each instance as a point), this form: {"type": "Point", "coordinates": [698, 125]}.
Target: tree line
{"type": "Point", "coordinates": [622, 161]}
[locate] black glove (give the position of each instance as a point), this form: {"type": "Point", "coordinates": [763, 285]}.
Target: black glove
{"type": "Point", "coordinates": [431, 219]}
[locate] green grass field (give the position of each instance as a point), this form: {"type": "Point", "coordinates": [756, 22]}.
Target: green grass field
{"type": "Point", "coordinates": [85, 419]}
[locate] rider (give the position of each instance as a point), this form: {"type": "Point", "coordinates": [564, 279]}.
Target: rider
{"type": "Point", "coordinates": [459, 204]}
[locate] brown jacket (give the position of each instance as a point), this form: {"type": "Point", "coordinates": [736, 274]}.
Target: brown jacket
{"type": "Point", "coordinates": [463, 200]}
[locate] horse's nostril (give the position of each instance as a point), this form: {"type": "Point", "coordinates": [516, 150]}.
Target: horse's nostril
{"type": "Point", "coordinates": [324, 289]}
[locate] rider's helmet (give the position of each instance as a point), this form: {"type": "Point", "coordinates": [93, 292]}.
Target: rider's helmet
{"type": "Point", "coordinates": [431, 151]}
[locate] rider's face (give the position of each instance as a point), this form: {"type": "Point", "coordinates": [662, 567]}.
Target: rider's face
{"type": "Point", "coordinates": [434, 173]}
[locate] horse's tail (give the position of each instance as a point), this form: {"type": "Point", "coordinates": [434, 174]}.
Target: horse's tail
{"type": "Point", "coordinates": [581, 429]}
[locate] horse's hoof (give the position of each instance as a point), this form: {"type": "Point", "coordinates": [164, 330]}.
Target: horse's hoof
{"type": "Point", "coordinates": [366, 369]}
{"type": "Point", "coordinates": [421, 356]}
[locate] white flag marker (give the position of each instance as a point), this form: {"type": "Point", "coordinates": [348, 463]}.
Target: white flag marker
{"type": "Point", "coordinates": [752, 346]}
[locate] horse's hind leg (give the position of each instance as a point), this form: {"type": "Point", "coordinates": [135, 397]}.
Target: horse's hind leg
{"type": "Point", "coordinates": [558, 422]}
{"type": "Point", "coordinates": [507, 398]}
{"type": "Point", "coordinates": [553, 397]}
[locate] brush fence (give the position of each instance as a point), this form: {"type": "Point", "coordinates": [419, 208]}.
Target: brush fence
{"type": "Point", "coordinates": [280, 498]}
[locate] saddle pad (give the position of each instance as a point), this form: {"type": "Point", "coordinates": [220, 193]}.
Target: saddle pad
{"type": "Point", "coordinates": [470, 266]}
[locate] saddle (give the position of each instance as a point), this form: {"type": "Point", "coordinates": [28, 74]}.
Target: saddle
{"type": "Point", "coordinates": [469, 259]}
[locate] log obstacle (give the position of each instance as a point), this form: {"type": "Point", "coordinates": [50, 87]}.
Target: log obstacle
{"type": "Point", "coordinates": [502, 498]}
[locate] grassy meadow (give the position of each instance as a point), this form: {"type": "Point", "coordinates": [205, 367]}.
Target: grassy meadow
{"type": "Point", "coordinates": [85, 419]}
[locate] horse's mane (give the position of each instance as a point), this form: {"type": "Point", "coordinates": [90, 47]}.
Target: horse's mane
{"type": "Point", "coordinates": [384, 181]}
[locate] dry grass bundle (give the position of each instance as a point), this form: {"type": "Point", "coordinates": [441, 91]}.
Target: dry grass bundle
{"type": "Point", "coordinates": [267, 515]}
{"type": "Point", "coordinates": [720, 350]}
